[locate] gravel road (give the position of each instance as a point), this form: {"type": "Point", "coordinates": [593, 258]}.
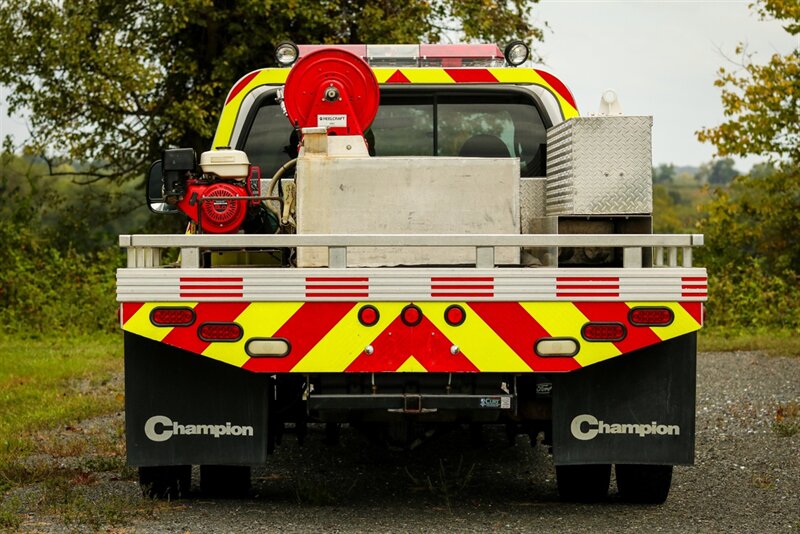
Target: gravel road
{"type": "Point", "coordinates": [746, 478]}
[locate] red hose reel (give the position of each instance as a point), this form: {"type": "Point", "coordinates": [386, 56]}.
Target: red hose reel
{"type": "Point", "coordinates": [332, 88]}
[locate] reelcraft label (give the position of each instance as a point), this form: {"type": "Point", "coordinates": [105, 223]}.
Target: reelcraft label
{"type": "Point", "coordinates": [161, 428]}
{"type": "Point", "coordinates": [585, 427]}
{"type": "Point", "coordinates": [337, 121]}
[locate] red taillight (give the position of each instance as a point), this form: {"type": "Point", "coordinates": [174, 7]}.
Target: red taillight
{"type": "Point", "coordinates": [411, 315]}
{"type": "Point", "coordinates": [455, 315]}
{"type": "Point", "coordinates": [368, 315]}
{"type": "Point", "coordinates": [220, 332]}
{"type": "Point", "coordinates": [654, 316]}
{"type": "Point", "coordinates": [172, 316]}
{"type": "Point", "coordinates": [603, 332]}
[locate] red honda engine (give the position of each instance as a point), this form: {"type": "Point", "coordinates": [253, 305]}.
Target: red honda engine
{"type": "Point", "coordinates": [214, 205]}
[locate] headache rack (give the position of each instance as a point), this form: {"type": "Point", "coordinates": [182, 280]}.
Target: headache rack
{"type": "Point", "coordinates": [145, 251]}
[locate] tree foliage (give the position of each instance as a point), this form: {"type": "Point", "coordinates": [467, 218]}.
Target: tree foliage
{"type": "Point", "coordinates": [111, 83]}
{"type": "Point", "coordinates": [762, 101]}
{"type": "Point", "coordinates": [57, 251]}
{"type": "Point", "coordinates": [721, 171]}
{"type": "Point", "coordinates": [664, 173]}
{"type": "Point", "coordinates": [752, 251]}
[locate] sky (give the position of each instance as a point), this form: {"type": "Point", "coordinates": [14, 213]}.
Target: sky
{"type": "Point", "coordinates": [661, 57]}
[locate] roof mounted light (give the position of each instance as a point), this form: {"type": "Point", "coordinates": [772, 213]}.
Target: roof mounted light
{"type": "Point", "coordinates": [286, 53]}
{"type": "Point", "coordinates": [517, 53]}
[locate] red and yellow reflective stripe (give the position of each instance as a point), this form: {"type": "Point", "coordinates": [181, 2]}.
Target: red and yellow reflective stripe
{"type": "Point", "coordinates": [429, 76]}
{"type": "Point", "coordinates": [494, 337]}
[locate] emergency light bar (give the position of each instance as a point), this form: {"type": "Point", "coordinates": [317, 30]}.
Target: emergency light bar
{"type": "Point", "coordinates": [422, 55]}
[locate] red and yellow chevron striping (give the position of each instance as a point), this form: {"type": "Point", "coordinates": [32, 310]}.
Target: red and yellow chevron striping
{"type": "Point", "coordinates": [488, 337]}
{"type": "Point", "coordinates": [389, 76]}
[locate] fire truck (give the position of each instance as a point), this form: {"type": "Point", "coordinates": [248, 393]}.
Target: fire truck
{"type": "Point", "coordinates": [402, 238]}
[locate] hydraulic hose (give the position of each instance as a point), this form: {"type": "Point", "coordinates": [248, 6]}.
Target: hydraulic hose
{"type": "Point", "coordinates": [274, 181]}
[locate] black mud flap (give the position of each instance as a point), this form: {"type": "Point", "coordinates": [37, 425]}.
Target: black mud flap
{"type": "Point", "coordinates": [633, 409]}
{"type": "Point", "coordinates": [183, 409]}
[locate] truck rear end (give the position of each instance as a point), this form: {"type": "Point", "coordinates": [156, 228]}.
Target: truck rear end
{"type": "Point", "coordinates": [470, 251]}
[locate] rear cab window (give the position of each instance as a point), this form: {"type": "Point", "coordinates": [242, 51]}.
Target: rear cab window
{"type": "Point", "coordinates": [488, 123]}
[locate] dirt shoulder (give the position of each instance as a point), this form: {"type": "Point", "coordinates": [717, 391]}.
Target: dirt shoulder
{"type": "Point", "coordinates": [746, 477]}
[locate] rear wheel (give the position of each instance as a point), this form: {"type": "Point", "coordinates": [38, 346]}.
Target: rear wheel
{"type": "Point", "coordinates": [583, 483]}
{"type": "Point", "coordinates": [644, 484]}
{"type": "Point", "coordinates": [226, 481]}
{"type": "Point", "coordinates": [165, 481]}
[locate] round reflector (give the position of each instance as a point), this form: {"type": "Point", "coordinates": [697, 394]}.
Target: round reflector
{"type": "Point", "coordinates": [411, 315]}
{"type": "Point", "coordinates": [219, 332]}
{"type": "Point", "coordinates": [455, 315]}
{"type": "Point", "coordinates": [368, 315]}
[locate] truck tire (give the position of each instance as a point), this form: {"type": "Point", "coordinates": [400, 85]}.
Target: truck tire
{"type": "Point", "coordinates": [583, 483]}
{"type": "Point", "coordinates": [644, 484]}
{"type": "Point", "coordinates": [225, 481]}
{"type": "Point", "coordinates": [165, 481]}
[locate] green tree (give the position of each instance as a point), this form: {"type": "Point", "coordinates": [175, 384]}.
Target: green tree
{"type": "Point", "coordinates": [752, 250]}
{"type": "Point", "coordinates": [762, 101]}
{"type": "Point", "coordinates": [110, 83]}
{"type": "Point", "coordinates": [721, 171]}
{"type": "Point", "coordinates": [664, 173]}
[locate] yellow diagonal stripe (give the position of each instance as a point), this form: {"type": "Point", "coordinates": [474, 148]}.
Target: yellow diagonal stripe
{"type": "Point", "coordinates": [505, 75]}
{"type": "Point", "coordinates": [530, 76]}
{"type": "Point", "coordinates": [140, 322]}
{"type": "Point", "coordinates": [346, 341]}
{"type": "Point", "coordinates": [411, 365]}
{"type": "Point", "coordinates": [231, 110]}
{"type": "Point", "coordinates": [563, 319]}
{"type": "Point", "coordinates": [682, 324]}
{"type": "Point", "coordinates": [477, 342]}
{"type": "Point", "coordinates": [427, 76]}
{"type": "Point", "coordinates": [259, 319]}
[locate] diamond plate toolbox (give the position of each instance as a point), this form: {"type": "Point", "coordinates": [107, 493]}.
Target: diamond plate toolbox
{"type": "Point", "coordinates": [600, 166]}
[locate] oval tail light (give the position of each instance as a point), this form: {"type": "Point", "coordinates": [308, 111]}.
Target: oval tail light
{"type": "Point", "coordinates": [651, 316]}
{"type": "Point", "coordinates": [556, 347]}
{"type": "Point", "coordinates": [603, 332]}
{"type": "Point", "coordinates": [226, 332]}
{"type": "Point", "coordinates": [172, 316]}
{"type": "Point", "coordinates": [270, 347]}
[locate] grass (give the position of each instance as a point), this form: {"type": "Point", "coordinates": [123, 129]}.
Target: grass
{"type": "Point", "coordinates": [787, 419]}
{"type": "Point", "coordinates": [46, 389]}
{"type": "Point", "coordinates": [449, 483]}
{"type": "Point", "coordinates": [777, 343]}
{"type": "Point", "coordinates": [49, 384]}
